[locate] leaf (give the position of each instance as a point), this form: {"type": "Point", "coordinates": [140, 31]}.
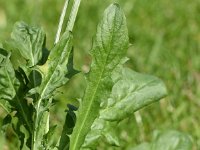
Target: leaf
{"type": "Point", "coordinates": [70, 67]}
{"type": "Point", "coordinates": [101, 130]}
{"type": "Point", "coordinates": [168, 140]}
{"type": "Point", "coordinates": [6, 121]}
{"type": "Point", "coordinates": [54, 71]}
{"type": "Point", "coordinates": [28, 41]}
{"type": "Point", "coordinates": [12, 90]}
{"type": "Point", "coordinates": [109, 48]}
{"type": "Point", "coordinates": [67, 128]}
{"type": "Point", "coordinates": [172, 140]}
{"type": "Point", "coordinates": [131, 91]}
{"type": "Point", "coordinates": [3, 103]}
{"type": "Point", "coordinates": [8, 82]}
{"type": "Point", "coordinates": [48, 142]}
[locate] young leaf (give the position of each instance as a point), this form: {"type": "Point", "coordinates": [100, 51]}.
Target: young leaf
{"type": "Point", "coordinates": [28, 41]}
{"type": "Point", "coordinates": [109, 48]}
{"type": "Point", "coordinates": [55, 69]}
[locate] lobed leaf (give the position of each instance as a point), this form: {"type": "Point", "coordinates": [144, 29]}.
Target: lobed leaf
{"type": "Point", "coordinates": [109, 48]}
{"type": "Point", "coordinates": [131, 91]}
{"type": "Point", "coordinates": [54, 71]}
{"type": "Point", "coordinates": [54, 74]}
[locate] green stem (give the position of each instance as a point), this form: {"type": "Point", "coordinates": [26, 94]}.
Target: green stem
{"type": "Point", "coordinates": [73, 14]}
{"type": "Point", "coordinates": [70, 25]}
{"type": "Point", "coordinates": [62, 17]}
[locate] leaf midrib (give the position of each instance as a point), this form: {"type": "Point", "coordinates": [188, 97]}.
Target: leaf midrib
{"type": "Point", "coordinates": [92, 99]}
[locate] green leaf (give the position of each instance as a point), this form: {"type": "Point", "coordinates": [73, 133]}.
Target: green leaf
{"type": "Point", "coordinates": [5, 105]}
{"type": "Point", "coordinates": [70, 67]}
{"type": "Point", "coordinates": [55, 70]}
{"type": "Point", "coordinates": [168, 140]}
{"type": "Point", "coordinates": [109, 48]}
{"type": "Point", "coordinates": [101, 130]}
{"type": "Point", "coordinates": [8, 82]}
{"type": "Point", "coordinates": [28, 41]}
{"type": "Point", "coordinates": [54, 73]}
{"type": "Point", "coordinates": [67, 128]}
{"type": "Point", "coordinates": [48, 142]}
{"type": "Point", "coordinates": [172, 140]}
{"type": "Point", "coordinates": [13, 91]}
{"type": "Point", "coordinates": [131, 91]}
{"type": "Point", "coordinates": [6, 122]}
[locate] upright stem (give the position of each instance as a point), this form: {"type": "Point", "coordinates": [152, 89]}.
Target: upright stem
{"type": "Point", "coordinates": [72, 18]}
{"type": "Point", "coordinates": [62, 17]}
{"type": "Point", "coordinates": [36, 139]}
{"type": "Point", "coordinates": [73, 14]}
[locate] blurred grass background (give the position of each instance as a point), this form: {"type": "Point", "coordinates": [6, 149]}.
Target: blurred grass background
{"type": "Point", "coordinates": [166, 43]}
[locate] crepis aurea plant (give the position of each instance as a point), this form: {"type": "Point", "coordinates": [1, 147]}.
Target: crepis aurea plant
{"type": "Point", "coordinates": [114, 92]}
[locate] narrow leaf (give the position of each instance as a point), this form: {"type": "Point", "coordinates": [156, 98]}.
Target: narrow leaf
{"type": "Point", "coordinates": [55, 69]}
{"type": "Point", "coordinates": [54, 73]}
{"type": "Point", "coordinates": [109, 48]}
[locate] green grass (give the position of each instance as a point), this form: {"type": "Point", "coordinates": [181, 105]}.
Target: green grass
{"type": "Point", "coordinates": [165, 37]}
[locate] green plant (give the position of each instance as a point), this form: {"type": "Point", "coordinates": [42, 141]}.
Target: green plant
{"type": "Point", "coordinates": [28, 84]}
